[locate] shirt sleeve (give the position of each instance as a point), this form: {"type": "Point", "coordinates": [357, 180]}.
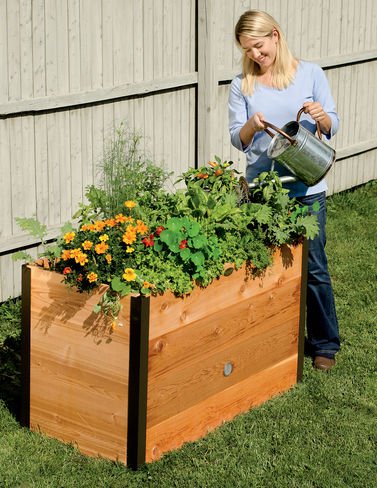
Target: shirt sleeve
{"type": "Point", "coordinates": [322, 94]}
{"type": "Point", "coordinates": [237, 110]}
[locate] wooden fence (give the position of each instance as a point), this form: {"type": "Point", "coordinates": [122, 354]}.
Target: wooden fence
{"type": "Point", "coordinates": [73, 70]}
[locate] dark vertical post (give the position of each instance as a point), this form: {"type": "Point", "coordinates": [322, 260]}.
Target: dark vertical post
{"type": "Point", "coordinates": [138, 381]}
{"type": "Point", "coordinates": [25, 347]}
{"type": "Point", "coordinates": [304, 284]}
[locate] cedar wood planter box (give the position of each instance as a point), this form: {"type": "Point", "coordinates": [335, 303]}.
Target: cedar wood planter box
{"type": "Point", "coordinates": [175, 369]}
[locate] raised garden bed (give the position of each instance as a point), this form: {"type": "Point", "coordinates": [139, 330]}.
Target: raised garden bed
{"type": "Point", "coordinates": [171, 370]}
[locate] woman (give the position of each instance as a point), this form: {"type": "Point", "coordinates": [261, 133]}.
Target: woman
{"type": "Point", "coordinates": [273, 87]}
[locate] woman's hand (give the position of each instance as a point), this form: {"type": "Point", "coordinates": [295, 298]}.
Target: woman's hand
{"type": "Point", "coordinates": [254, 124]}
{"type": "Point", "coordinates": [316, 112]}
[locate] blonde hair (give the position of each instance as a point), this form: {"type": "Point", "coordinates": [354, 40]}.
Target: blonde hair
{"type": "Point", "coordinates": [256, 23]}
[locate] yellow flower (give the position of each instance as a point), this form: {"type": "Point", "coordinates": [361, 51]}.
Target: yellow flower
{"type": "Point", "coordinates": [68, 237]}
{"type": "Point", "coordinates": [92, 277]}
{"type": "Point", "coordinates": [87, 245]}
{"type": "Point", "coordinates": [81, 258]}
{"type": "Point", "coordinates": [130, 204]}
{"type": "Point", "coordinates": [108, 258]}
{"type": "Point", "coordinates": [129, 274]}
{"type": "Point", "coordinates": [129, 249]}
{"type": "Point", "coordinates": [101, 248]}
{"type": "Point", "coordinates": [104, 238]}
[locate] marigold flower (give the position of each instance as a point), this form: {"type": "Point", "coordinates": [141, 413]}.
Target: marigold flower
{"type": "Point", "coordinates": [129, 237]}
{"type": "Point", "coordinates": [67, 270]}
{"type": "Point", "coordinates": [110, 223]}
{"type": "Point", "coordinates": [202, 176]}
{"type": "Point", "coordinates": [104, 238]}
{"type": "Point", "coordinates": [101, 248]}
{"type": "Point", "coordinates": [88, 227]}
{"type": "Point", "coordinates": [129, 249]}
{"type": "Point", "coordinates": [81, 259]}
{"type": "Point", "coordinates": [108, 258]}
{"type": "Point", "coordinates": [80, 277]}
{"type": "Point", "coordinates": [87, 245]}
{"type": "Point", "coordinates": [129, 274]}
{"type": "Point", "coordinates": [141, 228]}
{"type": "Point", "coordinates": [75, 252]}
{"type": "Point", "coordinates": [68, 237]}
{"type": "Point", "coordinates": [146, 284]}
{"type": "Point", "coordinates": [183, 244]}
{"type": "Point", "coordinates": [130, 204]}
{"type": "Point", "coordinates": [120, 218]}
{"type": "Point", "coordinates": [219, 172]}
{"type": "Point", "coordinates": [66, 254]}
{"type": "Point", "coordinates": [99, 225]}
{"type": "Point", "coordinates": [92, 277]}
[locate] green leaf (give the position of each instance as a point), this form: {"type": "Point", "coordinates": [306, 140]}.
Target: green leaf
{"type": "Point", "coordinates": [198, 258]}
{"type": "Point", "coordinates": [117, 284]}
{"type": "Point", "coordinates": [316, 206]}
{"type": "Point", "coordinates": [199, 242]}
{"type": "Point", "coordinates": [22, 256]}
{"type": "Point", "coordinates": [194, 229]}
{"type": "Point", "coordinates": [33, 227]}
{"type": "Point", "coordinates": [185, 254]}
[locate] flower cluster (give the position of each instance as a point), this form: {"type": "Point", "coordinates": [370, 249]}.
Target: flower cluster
{"type": "Point", "coordinates": [96, 251]}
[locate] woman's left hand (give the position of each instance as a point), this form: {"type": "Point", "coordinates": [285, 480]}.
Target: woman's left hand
{"type": "Point", "coordinates": [316, 112]}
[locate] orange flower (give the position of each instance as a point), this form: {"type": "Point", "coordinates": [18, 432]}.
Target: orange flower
{"type": "Point", "coordinates": [108, 258]}
{"type": "Point", "coordinates": [68, 237]}
{"type": "Point", "coordinates": [212, 163]}
{"type": "Point", "coordinates": [120, 218]}
{"type": "Point", "coordinates": [92, 277]}
{"type": "Point", "coordinates": [146, 284]}
{"type": "Point", "coordinates": [202, 176]}
{"type": "Point", "coordinates": [110, 223]}
{"type": "Point", "coordinates": [87, 245]}
{"type": "Point", "coordinates": [99, 225]}
{"type": "Point", "coordinates": [66, 254]}
{"type": "Point", "coordinates": [101, 248]}
{"type": "Point", "coordinates": [104, 238]}
{"type": "Point", "coordinates": [219, 172]}
{"type": "Point", "coordinates": [129, 237]}
{"type": "Point", "coordinates": [129, 274]}
{"type": "Point", "coordinates": [141, 228]}
{"type": "Point", "coordinates": [130, 204]}
{"type": "Point", "coordinates": [67, 270]}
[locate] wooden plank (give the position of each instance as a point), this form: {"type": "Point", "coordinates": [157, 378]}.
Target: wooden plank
{"type": "Point", "coordinates": [203, 417]}
{"type": "Point", "coordinates": [6, 216]}
{"type": "Point", "coordinates": [62, 47]}
{"type": "Point", "coordinates": [74, 46]}
{"type": "Point", "coordinates": [100, 95]}
{"type": "Point", "coordinates": [51, 21]}
{"type": "Point", "coordinates": [14, 64]}
{"type": "Point", "coordinates": [176, 387]}
{"type": "Point", "coordinates": [38, 42]}
{"type": "Point", "coordinates": [26, 49]}
{"type": "Point", "coordinates": [165, 308]}
{"type": "Point", "coordinates": [79, 369]}
{"type": "Point", "coordinates": [4, 81]}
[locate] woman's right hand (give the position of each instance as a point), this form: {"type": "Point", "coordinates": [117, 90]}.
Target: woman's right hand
{"type": "Point", "coordinates": [254, 124]}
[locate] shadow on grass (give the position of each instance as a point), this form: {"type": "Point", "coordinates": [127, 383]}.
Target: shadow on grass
{"type": "Point", "coordinates": [10, 374]}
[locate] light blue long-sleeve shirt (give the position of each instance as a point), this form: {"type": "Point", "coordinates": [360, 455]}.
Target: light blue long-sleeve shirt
{"type": "Point", "coordinates": [279, 107]}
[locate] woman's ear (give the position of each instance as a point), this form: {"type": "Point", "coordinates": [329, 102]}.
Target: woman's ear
{"type": "Point", "coordinates": [275, 35]}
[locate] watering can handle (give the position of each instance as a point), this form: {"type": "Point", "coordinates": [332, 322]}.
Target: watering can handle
{"type": "Point", "coordinates": [299, 113]}
{"type": "Point", "coordinates": [271, 134]}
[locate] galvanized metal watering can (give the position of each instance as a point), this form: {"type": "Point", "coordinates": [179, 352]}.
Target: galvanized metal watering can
{"type": "Point", "coordinates": [304, 155]}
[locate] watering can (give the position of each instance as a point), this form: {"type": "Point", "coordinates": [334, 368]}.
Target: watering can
{"type": "Point", "coordinates": [302, 153]}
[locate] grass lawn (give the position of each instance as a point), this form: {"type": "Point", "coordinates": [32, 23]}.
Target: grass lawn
{"type": "Point", "coordinates": [321, 434]}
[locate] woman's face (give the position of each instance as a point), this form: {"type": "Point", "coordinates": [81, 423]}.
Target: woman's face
{"type": "Point", "coordinates": [261, 50]}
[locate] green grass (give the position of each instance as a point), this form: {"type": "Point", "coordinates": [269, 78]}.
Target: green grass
{"type": "Point", "coordinates": [322, 433]}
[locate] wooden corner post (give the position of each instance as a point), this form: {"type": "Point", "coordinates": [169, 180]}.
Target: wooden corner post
{"type": "Point", "coordinates": [25, 346]}
{"type": "Point", "coordinates": [138, 381]}
{"type": "Point", "coordinates": [304, 284]}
